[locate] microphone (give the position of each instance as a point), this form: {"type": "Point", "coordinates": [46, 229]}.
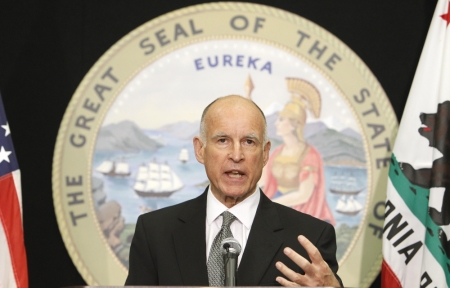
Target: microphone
{"type": "Point", "coordinates": [230, 251]}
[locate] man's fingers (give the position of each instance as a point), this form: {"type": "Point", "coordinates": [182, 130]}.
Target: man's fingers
{"type": "Point", "coordinates": [299, 260]}
{"type": "Point", "coordinates": [291, 275]}
{"type": "Point", "coordinates": [312, 250]}
{"type": "Point", "coordinates": [317, 272]}
{"type": "Point", "coordinates": [285, 283]}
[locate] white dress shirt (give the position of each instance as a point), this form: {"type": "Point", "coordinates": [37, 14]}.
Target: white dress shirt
{"type": "Point", "coordinates": [244, 211]}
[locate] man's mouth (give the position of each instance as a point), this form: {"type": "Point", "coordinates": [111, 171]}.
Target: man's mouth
{"type": "Point", "coordinates": [235, 174]}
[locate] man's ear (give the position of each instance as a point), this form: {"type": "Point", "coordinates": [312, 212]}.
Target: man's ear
{"type": "Point", "coordinates": [266, 152]}
{"type": "Point", "coordinates": [199, 149]}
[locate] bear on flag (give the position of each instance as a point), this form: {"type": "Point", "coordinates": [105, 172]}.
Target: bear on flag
{"type": "Point", "coordinates": [416, 233]}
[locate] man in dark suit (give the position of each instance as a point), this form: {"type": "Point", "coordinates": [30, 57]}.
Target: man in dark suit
{"type": "Point", "coordinates": [171, 246]}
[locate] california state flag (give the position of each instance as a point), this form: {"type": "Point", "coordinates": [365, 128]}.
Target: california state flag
{"type": "Point", "coordinates": [416, 246]}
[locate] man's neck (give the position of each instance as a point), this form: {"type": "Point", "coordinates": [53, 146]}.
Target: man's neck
{"type": "Point", "coordinates": [231, 201]}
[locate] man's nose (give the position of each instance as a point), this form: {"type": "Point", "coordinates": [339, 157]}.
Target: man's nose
{"type": "Point", "coordinates": [236, 154]}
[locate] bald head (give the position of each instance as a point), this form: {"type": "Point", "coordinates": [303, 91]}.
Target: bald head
{"type": "Point", "coordinates": [228, 102]}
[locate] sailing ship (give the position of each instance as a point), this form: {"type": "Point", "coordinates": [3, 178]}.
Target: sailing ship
{"type": "Point", "coordinates": [348, 206]}
{"type": "Point", "coordinates": [184, 155]}
{"type": "Point", "coordinates": [156, 180]}
{"type": "Point", "coordinates": [345, 185]}
{"type": "Point", "coordinates": [114, 169]}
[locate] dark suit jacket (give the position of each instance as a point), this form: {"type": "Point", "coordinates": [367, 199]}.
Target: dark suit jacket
{"type": "Point", "coordinates": [169, 248]}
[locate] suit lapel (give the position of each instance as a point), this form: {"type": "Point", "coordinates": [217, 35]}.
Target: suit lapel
{"type": "Point", "coordinates": [262, 244]}
{"type": "Point", "coordinates": [190, 245]}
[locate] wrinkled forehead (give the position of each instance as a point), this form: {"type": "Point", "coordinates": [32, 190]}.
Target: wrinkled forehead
{"type": "Point", "coordinates": [234, 102]}
{"type": "Point", "coordinates": [238, 112]}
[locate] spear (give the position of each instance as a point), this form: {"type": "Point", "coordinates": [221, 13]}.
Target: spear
{"type": "Point", "coordinates": [248, 87]}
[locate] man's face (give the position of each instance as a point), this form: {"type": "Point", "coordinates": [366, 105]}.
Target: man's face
{"type": "Point", "coordinates": [234, 154]}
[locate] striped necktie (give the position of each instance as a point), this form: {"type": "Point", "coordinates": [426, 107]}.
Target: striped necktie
{"type": "Point", "coordinates": [216, 270]}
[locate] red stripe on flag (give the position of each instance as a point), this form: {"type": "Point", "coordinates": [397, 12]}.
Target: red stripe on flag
{"type": "Point", "coordinates": [11, 218]}
{"type": "Point", "coordinates": [388, 277]}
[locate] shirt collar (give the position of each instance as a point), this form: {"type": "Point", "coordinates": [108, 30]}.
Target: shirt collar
{"type": "Point", "coordinates": [244, 211]}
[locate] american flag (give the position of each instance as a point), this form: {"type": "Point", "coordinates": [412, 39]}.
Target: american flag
{"type": "Point", "coordinates": [13, 261]}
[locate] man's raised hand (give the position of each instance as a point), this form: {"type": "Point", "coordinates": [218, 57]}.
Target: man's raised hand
{"type": "Point", "coordinates": [317, 272]}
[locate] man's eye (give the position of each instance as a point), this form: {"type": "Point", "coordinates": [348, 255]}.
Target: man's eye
{"type": "Point", "coordinates": [250, 142]}
{"type": "Point", "coordinates": [222, 140]}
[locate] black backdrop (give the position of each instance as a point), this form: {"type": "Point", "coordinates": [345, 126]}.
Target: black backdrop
{"type": "Point", "coordinates": [46, 48]}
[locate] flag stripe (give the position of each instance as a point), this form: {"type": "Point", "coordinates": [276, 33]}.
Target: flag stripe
{"type": "Point", "coordinates": [11, 219]}
{"type": "Point", "coordinates": [18, 185]}
{"type": "Point", "coordinates": [6, 271]}
{"type": "Point", "coordinates": [388, 278]}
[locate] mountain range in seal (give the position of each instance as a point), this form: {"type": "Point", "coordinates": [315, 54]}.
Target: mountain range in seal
{"type": "Point", "coordinates": [125, 136]}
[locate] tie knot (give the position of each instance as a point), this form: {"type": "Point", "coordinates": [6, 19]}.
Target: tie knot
{"type": "Point", "coordinates": [228, 218]}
